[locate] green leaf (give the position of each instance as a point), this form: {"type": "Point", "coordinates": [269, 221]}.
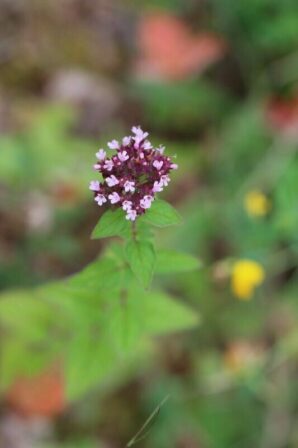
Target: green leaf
{"type": "Point", "coordinates": [141, 314]}
{"type": "Point", "coordinates": [19, 358]}
{"type": "Point", "coordinates": [100, 276]}
{"type": "Point", "coordinates": [123, 320]}
{"type": "Point", "coordinates": [88, 359]}
{"type": "Point", "coordinates": [159, 313]}
{"type": "Point", "coordinates": [171, 261]}
{"type": "Point", "coordinates": [199, 101]}
{"type": "Point", "coordinates": [112, 223]}
{"type": "Point", "coordinates": [23, 313]}
{"type": "Point", "coordinates": [162, 214]}
{"type": "Point", "coordinates": [164, 314]}
{"type": "Point", "coordinates": [141, 258]}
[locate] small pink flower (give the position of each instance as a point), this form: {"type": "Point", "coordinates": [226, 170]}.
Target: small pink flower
{"type": "Point", "coordinates": [97, 166]}
{"type": "Point", "coordinates": [127, 205]}
{"type": "Point", "coordinates": [100, 199]}
{"type": "Point", "coordinates": [164, 180]}
{"type": "Point", "coordinates": [147, 145]}
{"type": "Point", "coordinates": [146, 201]}
{"type": "Point", "coordinates": [174, 166]}
{"type": "Point", "coordinates": [101, 155]}
{"type": "Point", "coordinates": [126, 141]}
{"type": "Point", "coordinates": [114, 144]}
{"type": "Point", "coordinates": [123, 156]}
{"type": "Point", "coordinates": [129, 186]}
{"type": "Point", "coordinates": [112, 181]}
{"type": "Point", "coordinates": [114, 197]}
{"type": "Point", "coordinates": [139, 135]}
{"type": "Point", "coordinates": [139, 132]}
{"type": "Point", "coordinates": [157, 187]}
{"type": "Point", "coordinates": [160, 149]}
{"type": "Point", "coordinates": [108, 165]}
{"type": "Point", "coordinates": [94, 185]}
{"type": "Point", "coordinates": [131, 215]}
{"type": "Point", "coordinates": [158, 164]}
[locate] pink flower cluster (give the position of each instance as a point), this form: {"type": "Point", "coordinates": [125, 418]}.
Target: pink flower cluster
{"type": "Point", "coordinates": [132, 176]}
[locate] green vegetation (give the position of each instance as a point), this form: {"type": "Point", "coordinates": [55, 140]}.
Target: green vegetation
{"type": "Point", "coordinates": [198, 302]}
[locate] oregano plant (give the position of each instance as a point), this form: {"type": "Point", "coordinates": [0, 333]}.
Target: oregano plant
{"type": "Point", "coordinates": [101, 321]}
{"type": "Point", "coordinates": [130, 180]}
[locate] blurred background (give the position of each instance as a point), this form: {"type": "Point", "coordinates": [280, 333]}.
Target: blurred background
{"type": "Point", "coordinates": [216, 81]}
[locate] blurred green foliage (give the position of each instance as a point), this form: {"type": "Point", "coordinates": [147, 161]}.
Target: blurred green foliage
{"type": "Point", "coordinates": [200, 104]}
{"type": "Point", "coordinates": [46, 153]}
{"type": "Point", "coordinates": [232, 380]}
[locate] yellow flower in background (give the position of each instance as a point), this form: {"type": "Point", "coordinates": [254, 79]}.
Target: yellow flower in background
{"type": "Point", "coordinates": [256, 203]}
{"type": "Point", "coordinates": [246, 276]}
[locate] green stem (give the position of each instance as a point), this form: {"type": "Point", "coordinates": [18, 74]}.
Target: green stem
{"type": "Point", "coordinates": [123, 297]}
{"type": "Point", "coordinates": [144, 430]}
{"type": "Point", "coordinates": [134, 230]}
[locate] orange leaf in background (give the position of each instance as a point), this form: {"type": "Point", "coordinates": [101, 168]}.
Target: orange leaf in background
{"type": "Point", "coordinates": [42, 395]}
{"type": "Point", "coordinates": [243, 355]}
{"type": "Point", "coordinates": [64, 193]}
{"type": "Point", "coordinates": [169, 51]}
{"type": "Point", "coordinates": [282, 115]}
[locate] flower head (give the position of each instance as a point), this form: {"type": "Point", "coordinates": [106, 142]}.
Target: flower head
{"type": "Point", "coordinates": [132, 175]}
{"type": "Point", "coordinates": [246, 276]}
